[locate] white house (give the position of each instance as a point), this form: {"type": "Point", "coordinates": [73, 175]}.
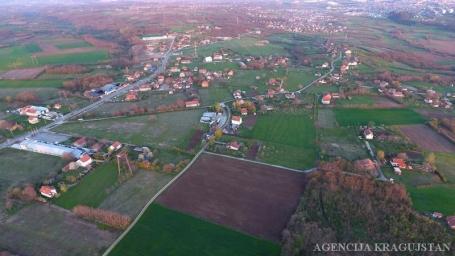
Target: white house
{"type": "Point", "coordinates": [236, 120]}
{"type": "Point", "coordinates": [208, 59]}
{"type": "Point", "coordinates": [84, 161]}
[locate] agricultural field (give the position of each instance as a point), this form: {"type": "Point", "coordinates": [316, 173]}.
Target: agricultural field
{"type": "Point", "coordinates": [290, 138]}
{"type": "Point", "coordinates": [427, 139]}
{"type": "Point", "coordinates": [354, 117]}
{"type": "Point", "coordinates": [133, 194]}
{"type": "Point", "coordinates": [92, 189]}
{"type": "Point", "coordinates": [22, 57]}
{"type": "Point", "coordinates": [250, 197]}
{"type": "Point", "coordinates": [41, 229]}
{"type": "Point", "coordinates": [158, 230]}
{"type": "Point", "coordinates": [366, 102]}
{"type": "Point", "coordinates": [149, 100]}
{"type": "Point", "coordinates": [245, 46]}
{"type": "Point", "coordinates": [19, 167]}
{"type": "Point", "coordinates": [164, 129]}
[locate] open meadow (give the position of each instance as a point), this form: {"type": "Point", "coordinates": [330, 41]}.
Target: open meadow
{"type": "Point", "coordinates": [289, 138]}
{"type": "Point", "coordinates": [167, 129]}
{"type": "Point", "coordinates": [353, 117]}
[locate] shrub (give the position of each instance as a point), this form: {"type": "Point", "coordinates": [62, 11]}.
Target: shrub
{"type": "Point", "coordinates": [109, 218]}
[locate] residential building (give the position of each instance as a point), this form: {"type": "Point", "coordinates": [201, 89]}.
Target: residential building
{"type": "Point", "coordinates": [48, 191]}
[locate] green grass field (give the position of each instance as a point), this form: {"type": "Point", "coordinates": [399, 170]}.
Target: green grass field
{"type": "Point", "coordinates": [356, 100]}
{"type": "Point", "coordinates": [75, 58]}
{"type": "Point", "coordinates": [161, 231]}
{"type": "Point", "coordinates": [72, 44]}
{"type": "Point", "coordinates": [21, 57]}
{"type": "Point", "coordinates": [244, 46]}
{"type": "Point", "coordinates": [30, 83]}
{"type": "Point", "coordinates": [352, 116]}
{"type": "Point", "coordinates": [434, 198]}
{"type": "Point", "coordinates": [92, 189]}
{"type": "Point", "coordinates": [290, 139]}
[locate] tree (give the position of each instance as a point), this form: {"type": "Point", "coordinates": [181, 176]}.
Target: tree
{"type": "Point", "coordinates": [430, 159]}
{"type": "Point", "coordinates": [218, 133]}
{"type": "Point", "coordinates": [380, 155]}
{"type": "Point", "coordinates": [217, 107]}
{"type": "Point", "coordinates": [27, 97]}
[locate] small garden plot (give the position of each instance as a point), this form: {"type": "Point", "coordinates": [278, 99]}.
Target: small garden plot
{"type": "Point", "coordinates": [164, 129]}
{"type": "Point", "coordinates": [355, 116]}
{"type": "Point", "coordinates": [162, 231]}
{"type": "Point", "coordinates": [92, 189]}
{"type": "Point", "coordinates": [254, 198]}
{"type": "Point", "coordinates": [326, 118]}
{"type": "Point", "coordinates": [215, 93]}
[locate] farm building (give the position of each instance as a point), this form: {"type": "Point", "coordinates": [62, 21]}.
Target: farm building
{"type": "Point", "coordinates": [48, 191]}
{"type": "Point", "coordinates": [398, 162]}
{"type": "Point", "coordinates": [48, 149]}
{"type": "Point", "coordinates": [244, 111]}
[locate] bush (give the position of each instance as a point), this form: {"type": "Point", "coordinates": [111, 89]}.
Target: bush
{"type": "Point", "coordinates": [109, 218]}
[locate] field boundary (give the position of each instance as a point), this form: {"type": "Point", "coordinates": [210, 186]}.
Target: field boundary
{"type": "Point", "coordinates": [262, 163]}
{"type": "Point", "coordinates": [120, 238]}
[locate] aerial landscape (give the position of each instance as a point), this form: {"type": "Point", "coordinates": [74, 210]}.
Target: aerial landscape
{"type": "Point", "coordinates": [227, 128]}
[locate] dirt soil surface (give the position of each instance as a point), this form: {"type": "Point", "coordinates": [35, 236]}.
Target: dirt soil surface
{"type": "Point", "coordinates": [426, 138]}
{"type": "Point", "coordinates": [254, 198]}
{"type": "Point", "coordinates": [22, 74]}
{"type": "Point", "coordinates": [41, 229]}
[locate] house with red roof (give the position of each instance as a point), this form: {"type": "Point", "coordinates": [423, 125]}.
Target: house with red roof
{"type": "Point", "coordinates": [233, 145]}
{"type": "Point", "coordinates": [81, 142]}
{"type": "Point", "coordinates": [115, 146]}
{"type": "Point", "coordinates": [236, 120]}
{"type": "Point", "coordinates": [48, 191]}
{"type": "Point", "coordinates": [326, 99]}
{"type": "Point", "coordinates": [84, 161]}
{"type": "Point", "coordinates": [192, 103]}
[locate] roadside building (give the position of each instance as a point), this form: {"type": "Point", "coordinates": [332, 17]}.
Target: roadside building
{"type": "Point", "coordinates": [192, 103]}
{"type": "Point", "coordinates": [131, 96]}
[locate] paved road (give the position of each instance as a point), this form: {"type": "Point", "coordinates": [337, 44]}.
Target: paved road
{"type": "Point", "coordinates": [332, 68]}
{"type": "Point", "coordinates": [121, 91]}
